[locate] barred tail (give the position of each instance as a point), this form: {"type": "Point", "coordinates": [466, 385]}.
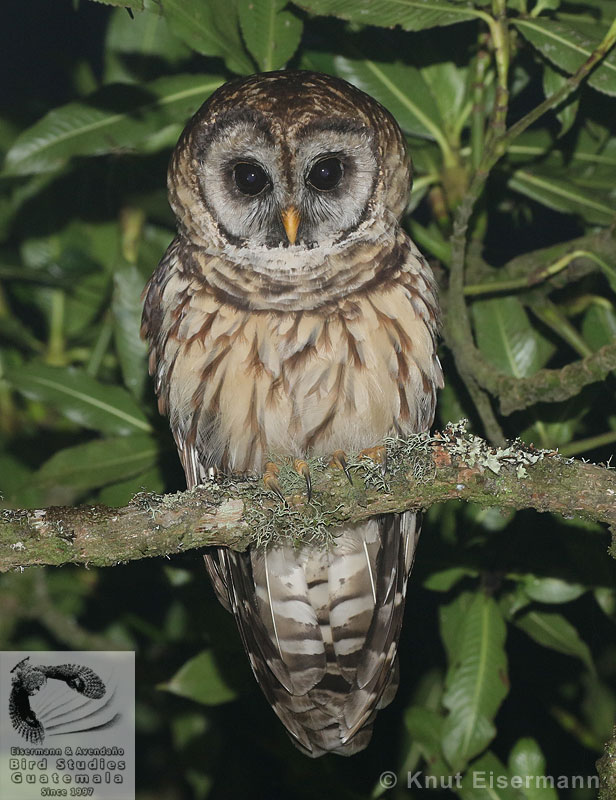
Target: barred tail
{"type": "Point", "coordinates": [321, 627]}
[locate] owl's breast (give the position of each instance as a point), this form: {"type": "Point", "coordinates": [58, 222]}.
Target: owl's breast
{"type": "Point", "coordinates": [247, 384]}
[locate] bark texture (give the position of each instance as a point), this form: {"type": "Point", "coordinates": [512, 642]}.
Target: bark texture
{"type": "Point", "coordinates": [421, 471]}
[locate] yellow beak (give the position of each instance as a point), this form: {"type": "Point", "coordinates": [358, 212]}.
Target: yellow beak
{"type": "Point", "coordinates": [290, 220]}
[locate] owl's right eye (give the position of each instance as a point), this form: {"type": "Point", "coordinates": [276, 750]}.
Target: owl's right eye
{"type": "Point", "coordinates": [250, 179]}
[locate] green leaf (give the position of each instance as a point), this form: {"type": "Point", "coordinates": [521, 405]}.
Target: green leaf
{"type": "Point", "coordinates": [490, 518]}
{"type": "Point", "coordinates": [569, 47]}
{"type": "Point", "coordinates": [186, 728]}
{"type": "Point", "coordinates": [200, 679]}
{"type": "Point", "coordinates": [317, 61]}
{"type": "Point", "coordinates": [476, 683]}
{"type": "Point", "coordinates": [411, 15]}
{"type": "Point", "coordinates": [545, 5]}
{"type": "Point", "coordinates": [551, 590]}
{"type": "Point", "coordinates": [510, 602]}
{"type": "Point", "coordinates": [84, 400]}
{"type": "Point", "coordinates": [446, 579]}
{"type": "Point", "coordinates": [595, 145]}
{"type": "Point", "coordinates": [598, 707]}
{"type": "Point", "coordinates": [15, 483]}
{"type": "Point", "coordinates": [425, 727]}
{"type": "Point", "coordinates": [84, 301]}
{"type": "Point", "coordinates": [451, 619]}
{"type": "Point", "coordinates": [134, 48]}
{"type": "Point", "coordinates": [599, 325]}
{"type": "Point", "coordinates": [531, 145]}
{"type": "Point", "coordinates": [115, 118]}
{"type": "Point", "coordinates": [25, 274]}
{"type": "Point", "coordinates": [211, 28]}
{"type": "Point", "coordinates": [487, 779]}
{"type": "Point", "coordinates": [506, 337]}
{"type": "Point", "coordinates": [271, 34]}
{"type": "Point", "coordinates": [527, 761]}
{"type": "Point", "coordinates": [563, 195]}
{"type": "Point", "coordinates": [120, 493]}
{"type": "Point", "coordinates": [449, 85]}
{"type": "Point", "coordinates": [135, 5]}
{"type": "Point", "coordinates": [12, 329]}
{"type": "Point", "coordinates": [567, 112]}
{"type": "Point", "coordinates": [554, 631]}
{"type": "Point", "coordinates": [97, 463]}
{"type": "Point", "coordinates": [402, 90]}
{"type": "Point", "coordinates": [126, 310]}
{"type": "Point", "coordinates": [592, 12]}
{"type": "Point", "coordinates": [606, 600]}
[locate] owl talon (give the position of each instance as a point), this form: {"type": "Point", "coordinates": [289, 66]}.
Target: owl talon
{"type": "Point", "coordinates": [271, 482]}
{"type": "Point", "coordinates": [302, 468]}
{"type": "Point", "coordinates": [378, 454]}
{"type": "Point", "coordinates": [339, 461]}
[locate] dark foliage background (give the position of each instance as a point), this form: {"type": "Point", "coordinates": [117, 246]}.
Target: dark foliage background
{"type": "Point", "coordinates": [508, 651]}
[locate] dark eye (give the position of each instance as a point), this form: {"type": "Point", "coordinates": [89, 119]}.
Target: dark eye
{"type": "Point", "coordinates": [250, 178]}
{"type": "Point", "coordinates": [326, 174]}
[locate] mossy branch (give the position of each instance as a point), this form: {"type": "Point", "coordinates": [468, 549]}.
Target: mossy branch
{"type": "Point", "coordinates": [549, 385]}
{"type": "Point", "coordinates": [421, 471]}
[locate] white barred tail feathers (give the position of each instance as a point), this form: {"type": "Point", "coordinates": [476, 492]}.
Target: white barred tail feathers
{"type": "Point", "coordinates": [321, 628]}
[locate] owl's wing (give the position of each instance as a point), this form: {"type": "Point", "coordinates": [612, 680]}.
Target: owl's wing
{"type": "Point", "coordinates": [158, 325]}
{"type": "Point", "coordinates": [81, 679]}
{"type": "Point", "coordinates": [23, 719]}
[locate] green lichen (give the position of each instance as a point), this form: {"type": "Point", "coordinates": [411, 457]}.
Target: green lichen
{"type": "Point", "coordinates": [477, 453]}
{"type": "Point", "coordinates": [273, 522]}
{"type": "Point", "coordinates": [150, 502]}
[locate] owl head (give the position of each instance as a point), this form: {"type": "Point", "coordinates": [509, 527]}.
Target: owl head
{"type": "Point", "coordinates": [288, 159]}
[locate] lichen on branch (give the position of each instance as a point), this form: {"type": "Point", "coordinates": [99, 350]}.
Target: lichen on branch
{"type": "Point", "coordinates": [236, 512]}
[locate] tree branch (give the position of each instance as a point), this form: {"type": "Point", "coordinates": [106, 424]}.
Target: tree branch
{"type": "Point", "coordinates": [422, 470]}
{"type": "Point", "coordinates": [566, 263]}
{"type": "Point", "coordinates": [530, 266]}
{"type": "Point", "coordinates": [549, 385]}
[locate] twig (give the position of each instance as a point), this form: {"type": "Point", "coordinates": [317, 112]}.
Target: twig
{"type": "Point", "coordinates": [549, 385]}
{"type": "Point", "coordinates": [532, 278]}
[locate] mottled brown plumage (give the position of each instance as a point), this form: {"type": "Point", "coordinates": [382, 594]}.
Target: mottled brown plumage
{"type": "Point", "coordinates": [259, 346]}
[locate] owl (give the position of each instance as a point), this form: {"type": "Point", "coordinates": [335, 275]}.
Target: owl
{"type": "Point", "coordinates": [292, 314]}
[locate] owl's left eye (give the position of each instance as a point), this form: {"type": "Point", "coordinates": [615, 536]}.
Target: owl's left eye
{"type": "Point", "coordinates": [326, 174]}
{"type": "Point", "coordinates": [250, 179]}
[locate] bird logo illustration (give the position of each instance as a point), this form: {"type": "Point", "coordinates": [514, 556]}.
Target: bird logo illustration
{"type": "Point", "coordinates": [29, 678]}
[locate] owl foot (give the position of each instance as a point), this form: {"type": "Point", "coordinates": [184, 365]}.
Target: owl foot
{"type": "Point", "coordinates": [339, 461]}
{"type": "Point", "coordinates": [271, 482]}
{"type": "Point", "coordinates": [302, 468]}
{"type": "Point", "coordinates": [378, 454]}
